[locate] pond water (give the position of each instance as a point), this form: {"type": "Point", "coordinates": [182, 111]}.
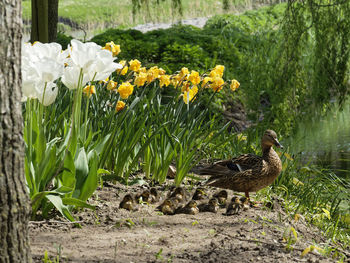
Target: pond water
{"type": "Point", "coordinates": [325, 141]}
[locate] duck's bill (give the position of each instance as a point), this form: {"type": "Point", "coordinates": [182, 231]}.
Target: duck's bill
{"type": "Point", "coordinates": [277, 144]}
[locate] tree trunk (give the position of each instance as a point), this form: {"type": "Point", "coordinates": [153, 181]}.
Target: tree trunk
{"type": "Point", "coordinates": [40, 29]}
{"type": "Point", "coordinates": [14, 200]}
{"type": "Point", "coordinates": [44, 21]}
{"type": "Point", "coordinates": [53, 20]}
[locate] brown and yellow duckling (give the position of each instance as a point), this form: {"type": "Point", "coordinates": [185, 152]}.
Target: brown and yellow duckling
{"type": "Point", "coordinates": [179, 193]}
{"type": "Point", "coordinates": [154, 195]}
{"type": "Point", "coordinates": [190, 208]}
{"type": "Point", "coordinates": [212, 206]}
{"type": "Point", "coordinates": [169, 206]}
{"type": "Point", "coordinates": [222, 197]}
{"type": "Point", "coordinates": [234, 206]}
{"type": "Point", "coordinates": [248, 172]}
{"type": "Point", "coordinates": [128, 203]}
{"type": "Point", "coordinates": [245, 203]}
{"type": "Point", "coordinates": [144, 196]}
{"type": "Point", "coordinates": [199, 194]}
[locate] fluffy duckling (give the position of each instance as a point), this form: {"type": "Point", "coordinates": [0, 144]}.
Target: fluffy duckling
{"type": "Point", "coordinates": [222, 197]}
{"type": "Point", "coordinates": [234, 206]}
{"type": "Point", "coordinates": [145, 196]}
{"type": "Point", "coordinates": [191, 208]}
{"type": "Point", "coordinates": [128, 203]}
{"type": "Point", "coordinates": [200, 194]}
{"type": "Point", "coordinates": [154, 196]}
{"type": "Point", "coordinates": [179, 193]}
{"type": "Point", "coordinates": [169, 206]}
{"type": "Point", "coordinates": [245, 203]}
{"type": "Point", "coordinates": [212, 206]}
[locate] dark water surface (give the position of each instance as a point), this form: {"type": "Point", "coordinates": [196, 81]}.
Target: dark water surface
{"type": "Point", "coordinates": [325, 141]}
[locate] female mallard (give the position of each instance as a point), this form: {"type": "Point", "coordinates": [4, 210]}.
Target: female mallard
{"type": "Point", "coordinates": [248, 172]}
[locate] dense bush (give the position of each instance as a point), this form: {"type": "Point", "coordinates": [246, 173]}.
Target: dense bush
{"type": "Point", "coordinates": [230, 40]}
{"type": "Point", "coordinates": [276, 55]}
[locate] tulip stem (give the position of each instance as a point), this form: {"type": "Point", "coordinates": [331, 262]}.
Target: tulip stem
{"type": "Point", "coordinates": [29, 142]}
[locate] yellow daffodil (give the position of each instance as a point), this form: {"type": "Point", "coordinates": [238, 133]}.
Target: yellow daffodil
{"type": "Point", "coordinates": [140, 79]}
{"type": "Point", "coordinates": [189, 95]}
{"type": "Point", "coordinates": [152, 74]}
{"type": "Point", "coordinates": [124, 70]}
{"type": "Point", "coordinates": [194, 77]}
{"type": "Point", "coordinates": [217, 84]}
{"type": "Point", "coordinates": [183, 73]}
{"type": "Point", "coordinates": [185, 86]}
{"type": "Point", "coordinates": [115, 49]}
{"type": "Point", "coordinates": [135, 65]}
{"type": "Point", "coordinates": [164, 80]}
{"type": "Point", "coordinates": [175, 80]}
{"type": "Point", "coordinates": [220, 69]}
{"type": "Point", "coordinates": [122, 62]}
{"type": "Point", "coordinates": [234, 85]}
{"type": "Point", "coordinates": [206, 80]}
{"type": "Point", "coordinates": [120, 105]}
{"type": "Point", "coordinates": [89, 90]}
{"type": "Point", "coordinates": [112, 85]}
{"type": "Point", "coordinates": [161, 71]}
{"type": "Point", "coordinates": [143, 70]}
{"type": "Point", "coordinates": [125, 90]}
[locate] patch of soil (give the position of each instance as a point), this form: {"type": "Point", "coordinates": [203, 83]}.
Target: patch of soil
{"type": "Point", "coordinates": [110, 234]}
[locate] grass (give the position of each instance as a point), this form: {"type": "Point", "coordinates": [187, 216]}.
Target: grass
{"type": "Point", "coordinates": [101, 14]}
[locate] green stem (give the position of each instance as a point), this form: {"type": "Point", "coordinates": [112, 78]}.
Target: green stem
{"type": "Point", "coordinates": [30, 142]}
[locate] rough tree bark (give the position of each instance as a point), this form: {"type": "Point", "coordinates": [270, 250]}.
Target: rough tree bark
{"type": "Point", "coordinates": [14, 200]}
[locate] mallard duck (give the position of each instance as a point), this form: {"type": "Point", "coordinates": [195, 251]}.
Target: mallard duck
{"type": "Point", "coordinates": [234, 206]}
{"type": "Point", "coordinates": [191, 208]}
{"type": "Point", "coordinates": [128, 203]}
{"type": "Point", "coordinates": [248, 172]}
{"type": "Point", "coordinates": [212, 206]}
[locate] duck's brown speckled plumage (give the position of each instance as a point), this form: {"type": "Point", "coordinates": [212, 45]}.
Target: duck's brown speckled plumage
{"type": "Point", "coordinates": [248, 172]}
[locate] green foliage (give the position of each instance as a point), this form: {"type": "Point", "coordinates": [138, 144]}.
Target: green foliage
{"type": "Point", "coordinates": [63, 40]}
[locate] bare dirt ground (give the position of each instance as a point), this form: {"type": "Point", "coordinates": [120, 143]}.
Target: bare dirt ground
{"type": "Point", "coordinates": [111, 234]}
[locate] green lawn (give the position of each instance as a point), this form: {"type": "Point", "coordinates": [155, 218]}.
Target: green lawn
{"type": "Point", "coordinates": [102, 14]}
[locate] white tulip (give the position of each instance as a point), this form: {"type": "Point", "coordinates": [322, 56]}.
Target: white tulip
{"type": "Point", "coordinates": [48, 95]}
{"type": "Point", "coordinates": [71, 76]}
{"type": "Point", "coordinates": [96, 62]}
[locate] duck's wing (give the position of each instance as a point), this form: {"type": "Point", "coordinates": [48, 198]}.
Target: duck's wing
{"type": "Point", "coordinates": [237, 171]}
{"type": "Point", "coordinates": [238, 164]}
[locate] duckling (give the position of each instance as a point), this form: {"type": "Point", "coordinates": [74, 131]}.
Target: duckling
{"type": "Point", "coordinates": [128, 203]}
{"type": "Point", "coordinates": [245, 203]}
{"type": "Point", "coordinates": [154, 196]}
{"type": "Point", "coordinates": [222, 197]}
{"type": "Point", "coordinates": [212, 206]}
{"type": "Point", "coordinates": [179, 193]}
{"type": "Point", "coordinates": [199, 194]}
{"type": "Point", "coordinates": [169, 206]}
{"type": "Point", "coordinates": [234, 206]}
{"type": "Point", "coordinates": [191, 208]}
{"type": "Point", "coordinates": [145, 196]}
{"type": "Point", "coordinates": [248, 172]}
